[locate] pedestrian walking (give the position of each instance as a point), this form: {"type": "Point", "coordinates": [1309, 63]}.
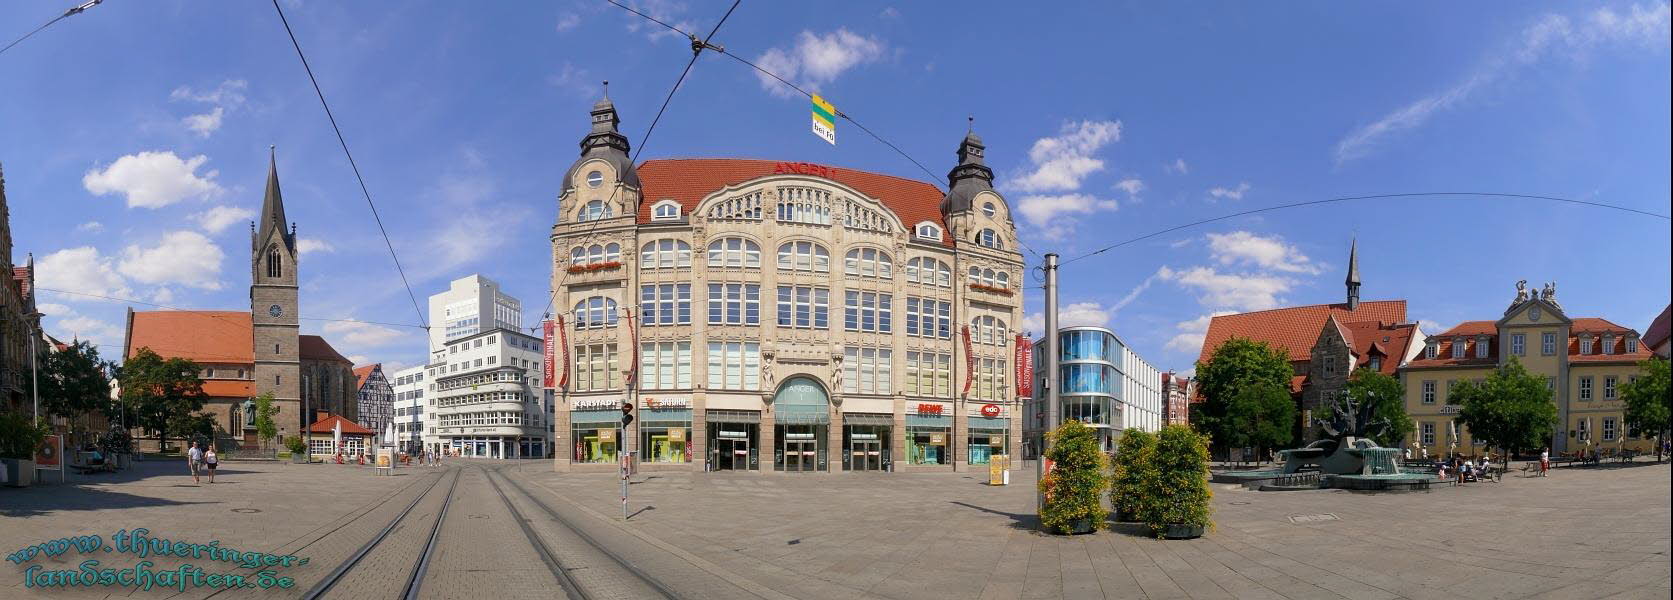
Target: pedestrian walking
{"type": "Point", "coordinates": [1544, 461]}
{"type": "Point", "coordinates": [209, 463]}
{"type": "Point", "coordinates": [194, 460]}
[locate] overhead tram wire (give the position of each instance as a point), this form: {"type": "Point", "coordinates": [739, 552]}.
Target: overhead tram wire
{"type": "Point", "coordinates": [1367, 197]}
{"type": "Point", "coordinates": [74, 10]}
{"type": "Point", "coordinates": [194, 310]}
{"type": "Point", "coordinates": [352, 164]}
{"type": "Point", "coordinates": [697, 48]}
{"type": "Point", "coordinates": [845, 116]}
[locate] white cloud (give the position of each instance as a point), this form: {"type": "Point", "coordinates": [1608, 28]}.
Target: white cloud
{"type": "Point", "coordinates": [1060, 163]}
{"type": "Point", "coordinates": [1131, 185]}
{"type": "Point", "coordinates": [153, 179]}
{"type": "Point", "coordinates": [1134, 295]}
{"type": "Point", "coordinates": [91, 227]}
{"type": "Point", "coordinates": [1180, 243]}
{"type": "Point", "coordinates": [1429, 327]}
{"type": "Point", "coordinates": [162, 295]}
{"type": "Point", "coordinates": [182, 257]}
{"type": "Point", "coordinates": [1076, 314]}
{"type": "Point", "coordinates": [1235, 193]}
{"type": "Point", "coordinates": [84, 327]}
{"type": "Point", "coordinates": [1246, 291]}
{"type": "Point", "coordinates": [1643, 28]}
{"type": "Point", "coordinates": [661, 10]}
{"type": "Point", "coordinates": [217, 219]}
{"type": "Point", "coordinates": [1191, 333]}
{"type": "Point", "coordinates": [53, 309]}
{"type": "Point", "coordinates": [817, 60]}
{"type": "Point", "coordinates": [81, 270]}
{"type": "Point", "coordinates": [310, 245]}
{"type": "Point", "coordinates": [889, 13]}
{"type": "Point", "coordinates": [360, 335]}
{"type": "Point", "coordinates": [1177, 167]}
{"type": "Point", "coordinates": [1245, 248]}
{"type": "Point", "coordinates": [359, 360]}
{"type": "Point", "coordinates": [575, 80]}
{"type": "Point", "coordinates": [568, 21]}
{"type": "Point", "coordinates": [1043, 211]}
{"type": "Point", "coordinates": [206, 123]}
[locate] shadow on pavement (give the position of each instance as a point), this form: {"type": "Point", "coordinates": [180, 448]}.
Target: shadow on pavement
{"type": "Point", "coordinates": [50, 499]}
{"type": "Point", "coordinates": [1024, 521]}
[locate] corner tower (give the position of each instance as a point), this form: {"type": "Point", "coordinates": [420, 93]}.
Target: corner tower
{"type": "Point", "coordinates": [604, 164]}
{"type": "Point", "coordinates": [975, 214]}
{"type": "Point", "coordinates": [273, 306]}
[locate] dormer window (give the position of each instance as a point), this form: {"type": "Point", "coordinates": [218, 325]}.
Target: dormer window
{"type": "Point", "coordinates": [1458, 347]}
{"type": "Point", "coordinates": [1481, 347]}
{"type": "Point", "coordinates": [928, 231]}
{"type": "Point", "coordinates": [1632, 345]}
{"type": "Point", "coordinates": [1430, 349]}
{"type": "Point", "coordinates": [666, 210]}
{"type": "Point", "coordinates": [989, 210]}
{"type": "Point", "coordinates": [989, 238]}
{"type": "Point", "coordinates": [1586, 345]}
{"type": "Point", "coordinates": [1376, 363]}
{"type": "Point", "coordinates": [1609, 344]}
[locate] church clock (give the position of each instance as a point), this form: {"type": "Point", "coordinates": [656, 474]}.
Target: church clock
{"type": "Point", "coordinates": [275, 310]}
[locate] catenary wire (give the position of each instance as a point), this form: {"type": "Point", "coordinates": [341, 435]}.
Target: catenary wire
{"type": "Point", "coordinates": [192, 310]}
{"type": "Point", "coordinates": [352, 164]}
{"type": "Point", "coordinates": [74, 10]}
{"type": "Point", "coordinates": [1352, 198]}
{"type": "Point", "coordinates": [682, 32]}
{"type": "Point", "coordinates": [697, 51]}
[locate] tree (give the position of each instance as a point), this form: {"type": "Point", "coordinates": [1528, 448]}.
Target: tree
{"type": "Point", "coordinates": [1389, 422]}
{"type": "Point", "coordinates": [1132, 469]}
{"type": "Point", "coordinates": [73, 382]}
{"type": "Point", "coordinates": [1511, 410]}
{"type": "Point", "coordinates": [1260, 416]}
{"type": "Point", "coordinates": [163, 395]}
{"type": "Point", "coordinates": [1235, 366]}
{"type": "Point", "coordinates": [1075, 486]}
{"type": "Point", "coordinates": [265, 429]}
{"type": "Point", "coordinates": [1649, 401]}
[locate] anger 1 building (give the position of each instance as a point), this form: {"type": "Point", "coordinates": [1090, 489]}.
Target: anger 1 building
{"type": "Point", "coordinates": [774, 316]}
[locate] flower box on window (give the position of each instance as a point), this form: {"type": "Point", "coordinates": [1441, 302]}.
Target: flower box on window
{"type": "Point", "coordinates": [595, 267]}
{"type": "Point", "coordinates": [991, 289]}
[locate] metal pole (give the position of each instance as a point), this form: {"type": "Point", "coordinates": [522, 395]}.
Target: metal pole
{"type": "Point", "coordinates": [34, 370]}
{"type": "Point", "coordinates": [1049, 354]}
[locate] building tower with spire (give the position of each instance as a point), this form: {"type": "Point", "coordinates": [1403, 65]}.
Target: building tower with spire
{"type": "Point", "coordinates": [273, 305]}
{"type": "Point", "coordinates": [1353, 275]}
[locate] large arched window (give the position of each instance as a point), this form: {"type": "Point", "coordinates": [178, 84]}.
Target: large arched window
{"type": "Point", "coordinates": [987, 329]}
{"type": "Point", "coordinates": [275, 265]}
{"type": "Point", "coordinates": [869, 262]}
{"type": "Point", "coordinates": [665, 254]}
{"type": "Point", "coordinates": [593, 211]}
{"type": "Point", "coordinates": [595, 254]}
{"type": "Point", "coordinates": [804, 256]}
{"type": "Point", "coordinates": [734, 252]}
{"type": "Point", "coordinates": [928, 271]}
{"type": "Point", "coordinates": [990, 238]}
{"type": "Point", "coordinates": [595, 312]}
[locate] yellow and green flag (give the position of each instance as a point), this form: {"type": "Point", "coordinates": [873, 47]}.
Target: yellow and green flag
{"type": "Point", "coordinates": [824, 120]}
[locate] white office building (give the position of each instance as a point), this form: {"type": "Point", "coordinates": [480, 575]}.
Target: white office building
{"type": "Point", "coordinates": [471, 305]}
{"type": "Point", "coordinates": [415, 416]}
{"type": "Point", "coordinates": [481, 393]}
{"type": "Point", "coordinates": [1104, 384]}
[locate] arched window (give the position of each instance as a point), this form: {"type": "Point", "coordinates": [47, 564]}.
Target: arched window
{"type": "Point", "coordinates": [595, 254]}
{"type": "Point", "coordinates": [578, 255]}
{"type": "Point", "coordinates": [869, 262]}
{"type": "Point", "coordinates": [275, 267]}
{"type": "Point", "coordinates": [1003, 280]}
{"type": "Point", "coordinates": [929, 231]}
{"type": "Point", "coordinates": [804, 256]}
{"type": "Point", "coordinates": [594, 210]}
{"type": "Point", "coordinates": [665, 254]}
{"type": "Point", "coordinates": [990, 238]}
{"type": "Point", "coordinates": [988, 330]}
{"type": "Point", "coordinates": [595, 312]}
{"type": "Point", "coordinates": [928, 271]}
{"type": "Point", "coordinates": [975, 274]}
{"type": "Point", "coordinates": [665, 211]}
{"type": "Point", "coordinates": [734, 252]}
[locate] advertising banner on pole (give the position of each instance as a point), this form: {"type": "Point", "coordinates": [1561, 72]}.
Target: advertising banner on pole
{"type": "Point", "coordinates": [1024, 368]}
{"type": "Point", "coordinates": [969, 362]}
{"type": "Point", "coordinates": [824, 120]}
{"type": "Point", "coordinates": [548, 328]}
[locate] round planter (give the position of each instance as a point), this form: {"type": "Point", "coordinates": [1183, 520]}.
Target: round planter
{"type": "Point", "coordinates": [123, 460]}
{"type": "Point", "coordinates": [1080, 526]}
{"type": "Point", "coordinates": [1175, 531]}
{"type": "Point", "coordinates": [300, 458]}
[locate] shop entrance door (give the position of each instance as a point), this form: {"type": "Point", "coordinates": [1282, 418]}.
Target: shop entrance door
{"type": "Point", "coordinates": [732, 454]}
{"type": "Point", "coordinates": [801, 455]}
{"type": "Point", "coordinates": [867, 455]}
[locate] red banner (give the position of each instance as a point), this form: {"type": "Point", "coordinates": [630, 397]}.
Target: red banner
{"type": "Point", "coordinates": [1025, 368]}
{"type": "Point", "coordinates": [548, 381]}
{"type": "Point", "coordinates": [563, 340]}
{"type": "Point", "coordinates": [633, 334]}
{"type": "Point", "coordinates": [969, 362]}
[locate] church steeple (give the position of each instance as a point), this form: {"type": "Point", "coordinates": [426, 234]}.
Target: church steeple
{"type": "Point", "coordinates": [273, 210]}
{"type": "Point", "coordinates": [1353, 275]}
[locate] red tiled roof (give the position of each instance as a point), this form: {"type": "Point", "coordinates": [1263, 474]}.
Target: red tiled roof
{"type": "Point", "coordinates": [313, 347]}
{"type": "Point", "coordinates": [361, 373]}
{"type": "Point", "coordinates": [1294, 329]}
{"type": "Point", "coordinates": [1470, 330]}
{"type": "Point", "coordinates": [1660, 329]}
{"type": "Point", "coordinates": [1599, 327]}
{"type": "Point", "coordinates": [24, 278]}
{"type": "Point", "coordinates": [1392, 340]}
{"type": "Point", "coordinates": [689, 180]}
{"type": "Point", "coordinates": [210, 336]}
{"type": "Point", "coordinates": [349, 427]}
{"type": "Point", "coordinates": [220, 388]}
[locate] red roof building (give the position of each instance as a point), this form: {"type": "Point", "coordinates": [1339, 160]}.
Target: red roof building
{"type": "Point", "coordinates": [1656, 336]}
{"type": "Point", "coordinates": [322, 439]}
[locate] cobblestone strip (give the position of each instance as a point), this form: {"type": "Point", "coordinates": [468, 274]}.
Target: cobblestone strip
{"type": "Point", "coordinates": [384, 571]}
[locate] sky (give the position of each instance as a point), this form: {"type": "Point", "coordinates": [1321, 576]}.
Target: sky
{"type": "Point", "coordinates": [134, 140]}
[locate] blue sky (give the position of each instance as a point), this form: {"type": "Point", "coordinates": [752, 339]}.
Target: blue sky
{"type": "Point", "coordinates": [134, 141]}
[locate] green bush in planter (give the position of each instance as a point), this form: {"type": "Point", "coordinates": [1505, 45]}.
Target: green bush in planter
{"type": "Point", "coordinates": [1074, 488]}
{"type": "Point", "coordinates": [19, 436]}
{"type": "Point", "coordinates": [295, 445]}
{"type": "Point", "coordinates": [1176, 488]}
{"type": "Point", "coordinates": [1133, 467]}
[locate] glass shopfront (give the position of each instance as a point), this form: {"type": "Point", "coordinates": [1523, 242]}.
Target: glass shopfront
{"type": "Point", "coordinates": [802, 421]}
{"type": "Point", "coordinates": [987, 438]}
{"type": "Point", "coordinates": [665, 435]}
{"type": "Point", "coordinates": [866, 441]}
{"type": "Point", "coordinates": [801, 448]}
{"type": "Point", "coordinates": [734, 440]}
{"type": "Point", "coordinates": [929, 439]}
{"type": "Point", "coordinates": [595, 433]}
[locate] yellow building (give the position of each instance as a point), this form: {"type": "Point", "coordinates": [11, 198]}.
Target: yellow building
{"type": "Point", "coordinates": [1584, 361]}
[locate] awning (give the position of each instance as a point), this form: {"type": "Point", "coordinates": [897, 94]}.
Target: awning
{"type": "Point", "coordinates": [986, 423]}
{"type": "Point", "coordinates": [929, 421]}
{"type": "Point", "coordinates": [595, 416]}
{"type": "Point", "coordinates": [868, 419]}
{"type": "Point", "coordinates": [802, 414]}
{"type": "Point", "coordinates": [732, 416]}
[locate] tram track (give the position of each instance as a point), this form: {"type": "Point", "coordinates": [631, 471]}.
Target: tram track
{"type": "Point", "coordinates": [415, 577]}
{"type": "Point", "coordinates": [577, 590]}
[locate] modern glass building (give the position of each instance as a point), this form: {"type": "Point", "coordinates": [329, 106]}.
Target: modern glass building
{"type": "Point", "coordinates": [1104, 385]}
